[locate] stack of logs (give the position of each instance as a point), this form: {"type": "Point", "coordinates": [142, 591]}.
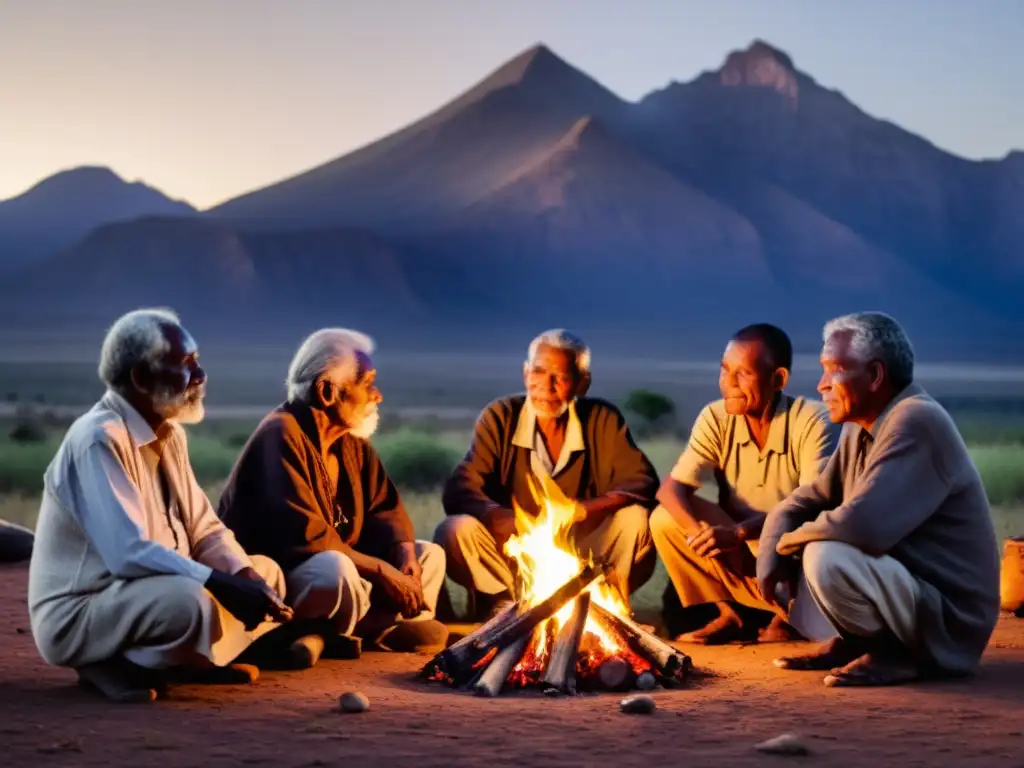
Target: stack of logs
{"type": "Point", "coordinates": [484, 660]}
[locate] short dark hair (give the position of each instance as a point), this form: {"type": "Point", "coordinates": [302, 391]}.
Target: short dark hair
{"type": "Point", "coordinates": [775, 340]}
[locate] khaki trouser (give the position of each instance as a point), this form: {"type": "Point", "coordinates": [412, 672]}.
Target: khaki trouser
{"type": "Point", "coordinates": [733, 578]}
{"type": "Point", "coordinates": [328, 586]}
{"type": "Point", "coordinates": [476, 562]}
{"type": "Point", "coordinates": [156, 622]}
{"type": "Point", "coordinates": [860, 594]}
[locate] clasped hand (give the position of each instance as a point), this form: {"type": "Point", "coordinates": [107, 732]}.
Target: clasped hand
{"type": "Point", "coordinates": [248, 597]}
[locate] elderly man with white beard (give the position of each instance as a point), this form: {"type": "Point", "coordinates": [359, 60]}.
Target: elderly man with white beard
{"type": "Point", "coordinates": [134, 581]}
{"type": "Point", "coordinates": [310, 491]}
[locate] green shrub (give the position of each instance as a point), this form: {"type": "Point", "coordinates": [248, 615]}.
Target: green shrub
{"type": "Point", "coordinates": [416, 461]}
{"type": "Point", "coordinates": [1002, 471]}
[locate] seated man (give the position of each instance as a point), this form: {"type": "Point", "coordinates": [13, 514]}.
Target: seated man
{"type": "Point", "coordinates": [132, 571]}
{"type": "Point", "coordinates": [582, 444]}
{"type": "Point", "coordinates": [759, 444]}
{"type": "Point", "coordinates": [897, 542]}
{"type": "Point", "coordinates": [310, 491]}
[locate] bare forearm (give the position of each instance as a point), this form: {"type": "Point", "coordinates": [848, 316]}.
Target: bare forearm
{"type": "Point", "coordinates": [690, 510]}
{"type": "Point", "coordinates": [607, 504]}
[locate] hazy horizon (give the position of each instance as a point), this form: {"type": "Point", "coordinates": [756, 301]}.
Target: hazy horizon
{"type": "Point", "coordinates": [208, 100]}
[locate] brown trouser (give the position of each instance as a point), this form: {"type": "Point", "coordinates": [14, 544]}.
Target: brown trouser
{"type": "Point", "coordinates": [697, 579]}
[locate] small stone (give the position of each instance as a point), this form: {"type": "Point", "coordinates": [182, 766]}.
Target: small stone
{"type": "Point", "coordinates": [645, 681]}
{"type": "Point", "coordinates": [786, 744]}
{"type": "Point", "coordinates": [637, 705]}
{"type": "Point", "coordinates": [354, 702]}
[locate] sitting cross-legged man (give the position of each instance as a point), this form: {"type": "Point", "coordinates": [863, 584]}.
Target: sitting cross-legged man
{"type": "Point", "coordinates": [310, 491]}
{"type": "Point", "coordinates": [551, 433]}
{"type": "Point", "coordinates": [758, 444]}
{"type": "Point", "coordinates": [894, 537]}
{"type": "Point", "coordinates": [134, 581]}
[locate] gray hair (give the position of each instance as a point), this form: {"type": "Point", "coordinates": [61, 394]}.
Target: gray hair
{"type": "Point", "coordinates": [329, 349]}
{"type": "Point", "coordinates": [877, 336]}
{"type": "Point", "coordinates": [136, 337]}
{"type": "Point", "coordinates": [559, 338]}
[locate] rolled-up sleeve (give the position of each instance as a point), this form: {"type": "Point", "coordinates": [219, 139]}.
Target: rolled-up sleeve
{"type": "Point", "coordinates": [703, 451]}
{"type": "Point", "coordinates": [110, 510]}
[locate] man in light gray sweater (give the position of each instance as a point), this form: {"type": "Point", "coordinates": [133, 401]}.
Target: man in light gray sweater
{"type": "Point", "coordinates": [895, 536]}
{"type": "Point", "coordinates": [132, 573]}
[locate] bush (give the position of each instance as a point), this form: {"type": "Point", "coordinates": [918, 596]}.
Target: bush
{"type": "Point", "coordinates": [416, 461]}
{"type": "Point", "coordinates": [1002, 471]}
{"type": "Point", "coordinates": [652, 413]}
{"type": "Point", "coordinates": [27, 432]}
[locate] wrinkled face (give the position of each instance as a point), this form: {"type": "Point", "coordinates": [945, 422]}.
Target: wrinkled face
{"type": "Point", "coordinates": [551, 380]}
{"type": "Point", "coordinates": [176, 383]}
{"type": "Point", "coordinates": [358, 408]}
{"type": "Point", "coordinates": [746, 378]}
{"type": "Point", "coordinates": [847, 385]}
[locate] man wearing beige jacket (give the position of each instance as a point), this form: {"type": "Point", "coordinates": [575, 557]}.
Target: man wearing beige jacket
{"type": "Point", "coordinates": [895, 538]}
{"type": "Point", "coordinates": [132, 574]}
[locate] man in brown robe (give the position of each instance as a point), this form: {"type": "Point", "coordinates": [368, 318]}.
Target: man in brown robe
{"type": "Point", "coordinates": [552, 433]}
{"type": "Point", "coordinates": [895, 537]}
{"type": "Point", "coordinates": [310, 491]}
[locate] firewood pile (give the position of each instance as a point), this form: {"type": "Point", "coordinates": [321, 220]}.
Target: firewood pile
{"type": "Point", "coordinates": [542, 646]}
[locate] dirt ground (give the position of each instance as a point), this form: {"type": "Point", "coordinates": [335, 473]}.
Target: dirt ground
{"type": "Point", "coordinates": [291, 718]}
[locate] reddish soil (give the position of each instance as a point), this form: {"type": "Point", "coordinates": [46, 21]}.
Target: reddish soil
{"type": "Point", "coordinates": [291, 719]}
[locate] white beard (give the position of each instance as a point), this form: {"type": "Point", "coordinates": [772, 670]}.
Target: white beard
{"type": "Point", "coordinates": [367, 425]}
{"type": "Point", "coordinates": [183, 408]}
{"type": "Point", "coordinates": [563, 409]}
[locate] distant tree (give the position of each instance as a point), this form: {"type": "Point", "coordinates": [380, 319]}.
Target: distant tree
{"type": "Point", "coordinates": [652, 407]}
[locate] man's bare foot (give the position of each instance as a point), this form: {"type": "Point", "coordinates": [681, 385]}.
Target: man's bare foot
{"type": "Point", "coordinates": [724, 629]}
{"type": "Point", "coordinates": [837, 652]}
{"type": "Point", "coordinates": [122, 681]}
{"type": "Point", "coordinates": [778, 631]}
{"type": "Point", "coordinates": [873, 669]}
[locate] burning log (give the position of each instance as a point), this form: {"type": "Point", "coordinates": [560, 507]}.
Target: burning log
{"type": "Point", "coordinates": [460, 662]}
{"type": "Point", "coordinates": [493, 678]}
{"type": "Point", "coordinates": [616, 674]}
{"type": "Point", "coordinates": [526, 622]}
{"type": "Point", "coordinates": [561, 669]}
{"type": "Point", "coordinates": [450, 663]}
{"type": "Point", "coordinates": [670, 665]}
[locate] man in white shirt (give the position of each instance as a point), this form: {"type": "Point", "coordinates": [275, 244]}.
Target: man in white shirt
{"type": "Point", "coordinates": [132, 573]}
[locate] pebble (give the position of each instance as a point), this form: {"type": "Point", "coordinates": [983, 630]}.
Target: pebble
{"type": "Point", "coordinates": [645, 681]}
{"type": "Point", "coordinates": [637, 705]}
{"type": "Point", "coordinates": [353, 702]}
{"type": "Point", "coordinates": [786, 744]}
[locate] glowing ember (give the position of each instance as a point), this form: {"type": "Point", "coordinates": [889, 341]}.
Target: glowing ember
{"type": "Point", "coordinates": [545, 563]}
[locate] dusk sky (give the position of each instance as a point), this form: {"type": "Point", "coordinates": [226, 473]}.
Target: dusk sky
{"type": "Point", "coordinates": [206, 99]}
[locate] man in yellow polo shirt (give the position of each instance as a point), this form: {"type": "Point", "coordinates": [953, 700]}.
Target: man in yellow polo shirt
{"type": "Point", "coordinates": [758, 444]}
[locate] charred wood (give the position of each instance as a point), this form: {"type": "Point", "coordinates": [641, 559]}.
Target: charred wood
{"type": "Point", "coordinates": [560, 673]}
{"type": "Point", "coordinates": [493, 678]}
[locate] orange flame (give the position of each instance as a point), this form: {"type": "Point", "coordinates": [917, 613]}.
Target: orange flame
{"type": "Point", "coordinates": [545, 562]}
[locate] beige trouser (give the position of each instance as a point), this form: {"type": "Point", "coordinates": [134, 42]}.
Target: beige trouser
{"type": "Point", "coordinates": [860, 594]}
{"type": "Point", "coordinates": [476, 563]}
{"type": "Point", "coordinates": [155, 622]}
{"type": "Point", "coordinates": [732, 578]}
{"type": "Point", "coordinates": [328, 586]}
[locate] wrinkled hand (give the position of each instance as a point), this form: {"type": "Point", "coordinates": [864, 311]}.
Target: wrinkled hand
{"type": "Point", "coordinates": [403, 590]}
{"type": "Point", "coordinates": [408, 563]}
{"type": "Point", "coordinates": [785, 575]}
{"type": "Point", "coordinates": [248, 598]}
{"type": "Point", "coordinates": [714, 540]}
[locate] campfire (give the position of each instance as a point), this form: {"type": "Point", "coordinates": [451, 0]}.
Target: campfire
{"type": "Point", "coordinates": [569, 629]}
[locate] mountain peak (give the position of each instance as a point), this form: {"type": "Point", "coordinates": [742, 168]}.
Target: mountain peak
{"type": "Point", "coordinates": [761, 65]}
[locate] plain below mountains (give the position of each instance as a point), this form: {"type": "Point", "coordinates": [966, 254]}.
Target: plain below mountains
{"type": "Point", "coordinates": [538, 197]}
